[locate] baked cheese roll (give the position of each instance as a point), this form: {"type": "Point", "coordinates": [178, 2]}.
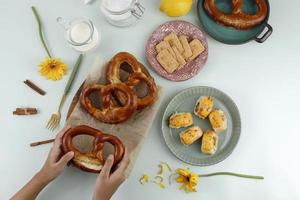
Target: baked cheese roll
{"type": "Point", "coordinates": [218, 120]}
{"type": "Point", "coordinates": [209, 142]}
{"type": "Point", "coordinates": [179, 120]}
{"type": "Point", "coordinates": [204, 106]}
{"type": "Point", "coordinates": [190, 135]}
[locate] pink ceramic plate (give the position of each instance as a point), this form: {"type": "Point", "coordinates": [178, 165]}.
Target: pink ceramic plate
{"type": "Point", "coordinates": [179, 27]}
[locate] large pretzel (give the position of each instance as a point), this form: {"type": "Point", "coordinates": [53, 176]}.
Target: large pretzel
{"type": "Point", "coordinates": [237, 18]}
{"type": "Point", "coordinates": [139, 73]}
{"type": "Point", "coordinates": [109, 112]}
{"type": "Point", "coordinates": [114, 66]}
{"type": "Point", "coordinates": [91, 161]}
{"type": "Point", "coordinates": [142, 102]}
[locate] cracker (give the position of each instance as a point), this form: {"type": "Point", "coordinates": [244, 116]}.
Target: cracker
{"type": "Point", "coordinates": [178, 57]}
{"type": "Point", "coordinates": [187, 53]}
{"type": "Point", "coordinates": [173, 40]}
{"type": "Point", "coordinates": [197, 49]}
{"type": "Point", "coordinates": [164, 45]}
{"type": "Point", "coordinates": [167, 61]}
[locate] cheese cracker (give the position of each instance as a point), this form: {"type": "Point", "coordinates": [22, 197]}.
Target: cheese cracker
{"type": "Point", "coordinates": [167, 61]}
{"type": "Point", "coordinates": [178, 57]}
{"type": "Point", "coordinates": [164, 45]}
{"type": "Point", "coordinates": [173, 40]}
{"type": "Point", "coordinates": [197, 49]}
{"type": "Point", "coordinates": [187, 53]}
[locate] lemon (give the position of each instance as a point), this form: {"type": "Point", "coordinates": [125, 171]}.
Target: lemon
{"type": "Point", "coordinates": [175, 8]}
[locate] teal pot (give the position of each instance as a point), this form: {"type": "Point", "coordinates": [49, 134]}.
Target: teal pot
{"type": "Point", "coordinates": [229, 35]}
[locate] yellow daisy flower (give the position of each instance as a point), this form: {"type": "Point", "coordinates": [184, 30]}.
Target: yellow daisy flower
{"type": "Point", "coordinates": [188, 179]}
{"type": "Point", "coordinates": [52, 68]}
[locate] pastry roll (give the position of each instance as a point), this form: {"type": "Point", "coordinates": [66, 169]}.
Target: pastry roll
{"type": "Point", "coordinates": [204, 106]}
{"type": "Point", "coordinates": [209, 142]}
{"type": "Point", "coordinates": [218, 120]}
{"type": "Point", "coordinates": [190, 135]}
{"type": "Point", "coordinates": [178, 120]}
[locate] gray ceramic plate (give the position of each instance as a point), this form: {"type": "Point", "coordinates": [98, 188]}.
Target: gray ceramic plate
{"type": "Point", "coordinates": [185, 102]}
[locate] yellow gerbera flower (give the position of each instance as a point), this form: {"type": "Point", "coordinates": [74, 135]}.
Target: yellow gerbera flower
{"type": "Point", "coordinates": [52, 68]}
{"type": "Point", "coordinates": [188, 179]}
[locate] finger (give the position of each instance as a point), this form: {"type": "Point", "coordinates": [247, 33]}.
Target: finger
{"type": "Point", "coordinates": [65, 159]}
{"type": "Point", "coordinates": [56, 151]}
{"type": "Point", "coordinates": [124, 163]}
{"type": "Point", "coordinates": [105, 171]}
{"type": "Point", "coordinates": [60, 134]}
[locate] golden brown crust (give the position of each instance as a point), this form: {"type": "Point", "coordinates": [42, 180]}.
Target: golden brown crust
{"type": "Point", "coordinates": [139, 73]}
{"type": "Point", "coordinates": [91, 161]}
{"type": "Point", "coordinates": [113, 68]}
{"type": "Point", "coordinates": [179, 120]}
{"type": "Point", "coordinates": [150, 98]}
{"type": "Point", "coordinates": [237, 19]}
{"type": "Point", "coordinates": [109, 113]}
{"type": "Point", "coordinates": [204, 106]}
{"type": "Point", "coordinates": [218, 120]}
{"type": "Point", "coordinates": [209, 142]}
{"type": "Point", "coordinates": [190, 135]}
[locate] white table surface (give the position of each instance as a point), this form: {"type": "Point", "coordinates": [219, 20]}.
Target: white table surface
{"type": "Point", "coordinates": [262, 79]}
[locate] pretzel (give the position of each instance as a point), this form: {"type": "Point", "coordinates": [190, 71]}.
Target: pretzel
{"type": "Point", "coordinates": [109, 112]}
{"type": "Point", "coordinates": [139, 73]}
{"type": "Point", "coordinates": [142, 102]}
{"type": "Point", "coordinates": [114, 66]}
{"type": "Point", "coordinates": [237, 18]}
{"type": "Point", "coordinates": [91, 161]}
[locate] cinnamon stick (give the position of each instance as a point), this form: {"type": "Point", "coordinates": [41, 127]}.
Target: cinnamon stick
{"type": "Point", "coordinates": [33, 144]}
{"type": "Point", "coordinates": [25, 111]}
{"type": "Point", "coordinates": [34, 87]}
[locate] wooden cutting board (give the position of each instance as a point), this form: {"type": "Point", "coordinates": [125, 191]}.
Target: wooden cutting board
{"type": "Point", "coordinates": [131, 132]}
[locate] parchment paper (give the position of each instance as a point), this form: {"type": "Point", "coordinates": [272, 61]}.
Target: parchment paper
{"type": "Point", "coordinates": [131, 132]}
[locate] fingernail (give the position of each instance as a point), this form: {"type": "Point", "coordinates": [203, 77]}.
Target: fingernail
{"type": "Point", "coordinates": [110, 157]}
{"type": "Point", "coordinates": [71, 153]}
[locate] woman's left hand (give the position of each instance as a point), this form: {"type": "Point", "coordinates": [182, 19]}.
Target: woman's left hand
{"type": "Point", "coordinates": [56, 161]}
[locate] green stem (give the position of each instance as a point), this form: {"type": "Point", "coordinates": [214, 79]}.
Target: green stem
{"type": "Point", "coordinates": [231, 174]}
{"type": "Point", "coordinates": [37, 17]}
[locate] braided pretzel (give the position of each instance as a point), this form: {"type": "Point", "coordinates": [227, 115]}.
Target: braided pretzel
{"type": "Point", "coordinates": [109, 113]}
{"type": "Point", "coordinates": [91, 161]}
{"type": "Point", "coordinates": [237, 19]}
{"type": "Point", "coordinates": [139, 73]}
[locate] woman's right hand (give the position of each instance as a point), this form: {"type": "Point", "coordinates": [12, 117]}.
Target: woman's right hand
{"type": "Point", "coordinates": [107, 183]}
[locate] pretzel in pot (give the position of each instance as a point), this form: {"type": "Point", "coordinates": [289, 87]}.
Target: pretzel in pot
{"type": "Point", "coordinates": [237, 18]}
{"type": "Point", "coordinates": [91, 161]}
{"type": "Point", "coordinates": [109, 112]}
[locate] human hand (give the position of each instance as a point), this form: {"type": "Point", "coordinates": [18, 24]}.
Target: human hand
{"type": "Point", "coordinates": [56, 161]}
{"type": "Point", "coordinates": [107, 183]}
